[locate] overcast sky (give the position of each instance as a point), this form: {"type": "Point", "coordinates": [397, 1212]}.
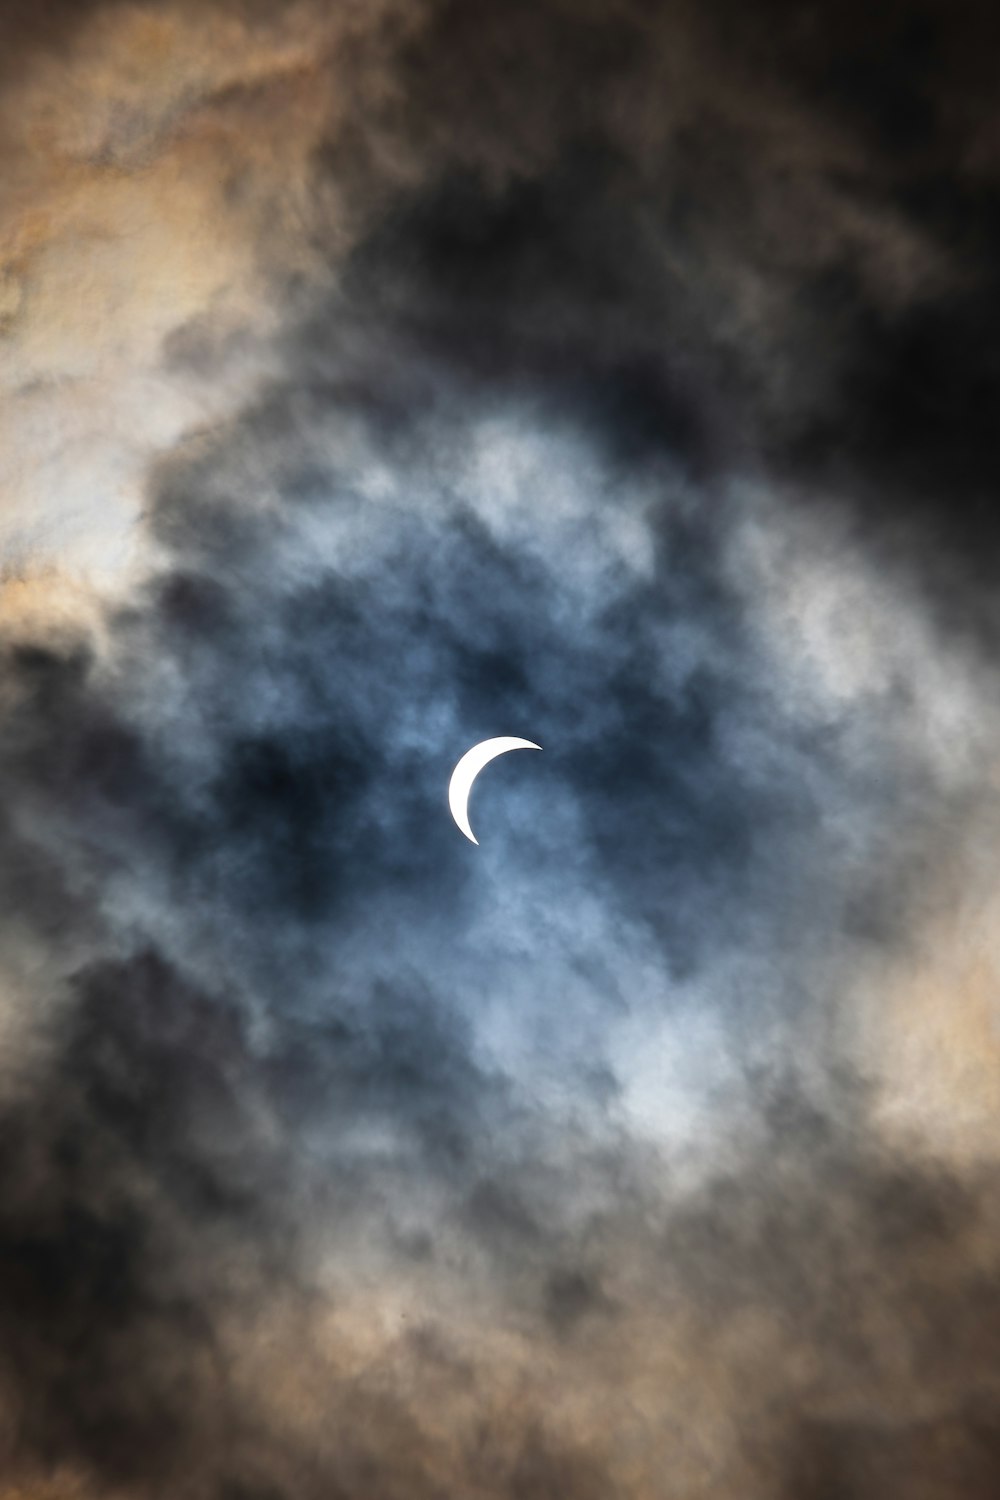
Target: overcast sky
{"type": "Point", "coordinates": [383, 377]}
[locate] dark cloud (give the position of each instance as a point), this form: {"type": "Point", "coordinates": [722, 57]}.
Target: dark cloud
{"type": "Point", "coordinates": [866, 1264]}
{"type": "Point", "coordinates": [595, 220]}
{"type": "Point", "coordinates": [926, 1460]}
{"type": "Point", "coordinates": [652, 333]}
{"type": "Point", "coordinates": [131, 1157]}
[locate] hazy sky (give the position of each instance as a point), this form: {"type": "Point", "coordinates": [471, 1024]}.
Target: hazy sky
{"type": "Point", "coordinates": [381, 376]}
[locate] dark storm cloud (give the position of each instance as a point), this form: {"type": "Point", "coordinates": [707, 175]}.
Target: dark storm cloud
{"type": "Point", "coordinates": [150, 1201]}
{"type": "Point", "coordinates": [48, 28]}
{"type": "Point", "coordinates": [867, 1264]}
{"type": "Point", "coordinates": [295, 1037]}
{"type": "Point", "coordinates": [126, 1143]}
{"type": "Point", "coordinates": [608, 189]}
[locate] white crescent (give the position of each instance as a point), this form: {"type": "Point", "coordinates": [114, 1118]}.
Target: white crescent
{"type": "Point", "coordinates": [468, 769]}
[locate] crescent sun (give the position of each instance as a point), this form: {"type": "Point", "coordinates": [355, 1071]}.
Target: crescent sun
{"type": "Point", "coordinates": [469, 767]}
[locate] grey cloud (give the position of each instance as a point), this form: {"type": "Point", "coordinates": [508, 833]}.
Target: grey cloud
{"type": "Point", "coordinates": [302, 1055]}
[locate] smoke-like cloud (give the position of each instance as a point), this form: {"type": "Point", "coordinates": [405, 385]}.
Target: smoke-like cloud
{"type": "Point", "coordinates": [382, 379]}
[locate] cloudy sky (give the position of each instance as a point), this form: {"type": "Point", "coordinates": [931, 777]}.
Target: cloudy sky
{"type": "Point", "coordinates": [380, 376]}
